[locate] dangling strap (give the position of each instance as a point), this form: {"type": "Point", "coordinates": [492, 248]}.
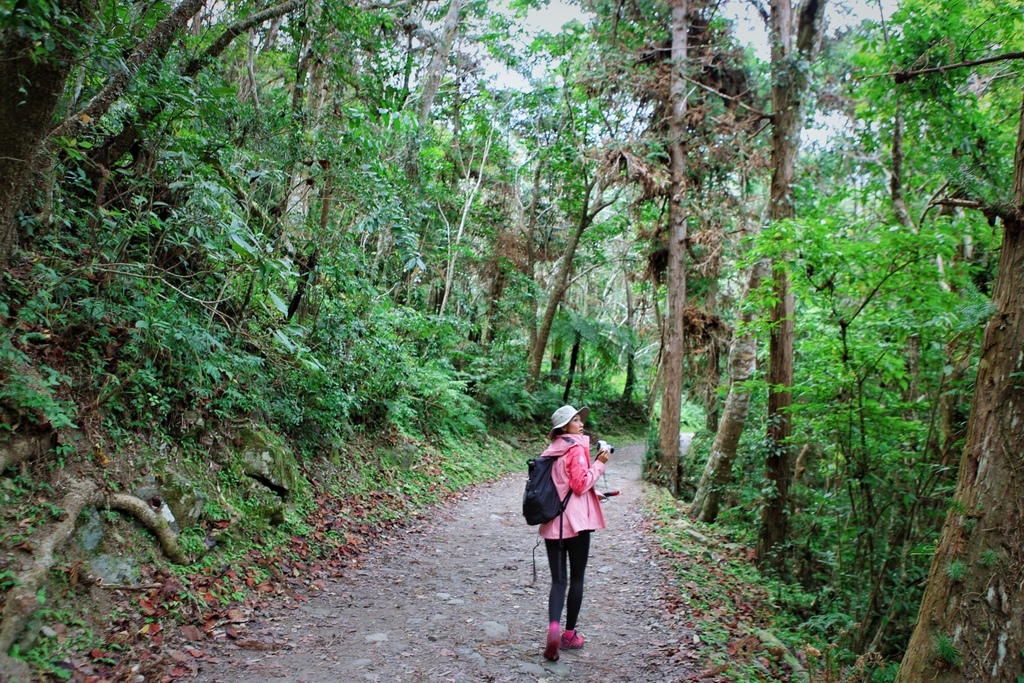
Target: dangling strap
{"type": "Point", "coordinates": [561, 516]}
{"type": "Point", "coordinates": [535, 560]}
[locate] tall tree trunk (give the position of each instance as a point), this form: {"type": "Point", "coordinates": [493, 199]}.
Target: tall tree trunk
{"type": "Point", "coordinates": [439, 62]}
{"type": "Point", "coordinates": [657, 366]}
{"type": "Point", "coordinates": [791, 62]}
{"type": "Point", "coordinates": [971, 623]}
{"type": "Point", "coordinates": [33, 84]}
{"type": "Point", "coordinates": [672, 358]}
{"type": "Point", "coordinates": [899, 202]}
{"type": "Point", "coordinates": [296, 189]}
{"type": "Point", "coordinates": [531, 259]}
{"type": "Point", "coordinates": [431, 84]}
{"type": "Point", "coordinates": [742, 363]}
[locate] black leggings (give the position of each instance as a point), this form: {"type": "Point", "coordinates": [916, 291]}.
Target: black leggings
{"type": "Point", "coordinates": [576, 550]}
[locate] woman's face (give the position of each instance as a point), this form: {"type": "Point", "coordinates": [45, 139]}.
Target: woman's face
{"type": "Point", "coordinates": [575, 425]}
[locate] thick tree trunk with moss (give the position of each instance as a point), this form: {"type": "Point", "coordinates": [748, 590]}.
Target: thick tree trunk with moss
{"type": "Point", "coordinates": [672, 356]}
{"type": "Point", "coordinates": [791, 59]}
{"type": "Point", "coordinates": [32, 84]}
{"type": "Point", "coordinates": [971, 623]}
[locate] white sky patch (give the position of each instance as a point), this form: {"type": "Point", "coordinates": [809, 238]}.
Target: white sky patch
{"type": "Point", "coordinates": [751, 31]}
{"type": "Point", "coordinates": [553, 17]}
{"type": "Point", "coordinates": [548, 19]}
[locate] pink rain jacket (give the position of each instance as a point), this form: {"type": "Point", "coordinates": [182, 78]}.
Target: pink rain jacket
{"type": "Point", "coordinates": [574, 470]}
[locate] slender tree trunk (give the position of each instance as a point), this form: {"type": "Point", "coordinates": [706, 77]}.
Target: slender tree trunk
{"type": "Point", "coordinates": [790, 85]}
{"type": "Point", "coordinates": [560, 284]}
{"type": "Point", "coordinates": [453, 251]}
{"type": "Point", "coordinates": [630, 385]}
{"type": "Point", "coordinates": [531, 259]}
{"type": "Point", "coordinates": [742, 364]}
{"type": "Point", "coordinates": [971, 623]}
{"type": "Point", "coordinates": [574, 357]}
{"type": "Point", "coordinates": [899, 202]}
{"type": "Point", "coordinates": [672, 358]}
{"type": "Point", "coordinates": [657, 366]}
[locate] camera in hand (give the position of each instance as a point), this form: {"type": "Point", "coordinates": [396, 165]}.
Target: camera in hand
{"type": "Point", "coordinates": [605, 446]}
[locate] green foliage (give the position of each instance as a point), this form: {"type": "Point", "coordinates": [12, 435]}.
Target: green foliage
{"type": "Point", "coordinates": [31, 393]}
{"type": "Point", "coordinates": [947, 650]}
{"type": "Point", "coordinates": [8, 580]}
{"type": "Point", "coordinates": [956, 570]}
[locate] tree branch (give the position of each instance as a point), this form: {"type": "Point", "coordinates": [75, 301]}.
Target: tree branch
{"type": "Point", "coordinates": [116, 146]}
{"type": "Point", "coordinates": [906, 75]}
{"type": "Point", "coordinates": [218, 46]}
{"type": "Point", "coordinates": [760, 114]}
{"type": "Point", "coordinates": [158, 40]}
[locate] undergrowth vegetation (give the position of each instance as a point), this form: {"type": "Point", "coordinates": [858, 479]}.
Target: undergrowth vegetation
{"type": "Point", "coordinates": [755, 627]}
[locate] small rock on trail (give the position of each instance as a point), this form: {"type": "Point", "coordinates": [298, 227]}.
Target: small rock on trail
{"type": "Point", "coordinates": [451, 598]}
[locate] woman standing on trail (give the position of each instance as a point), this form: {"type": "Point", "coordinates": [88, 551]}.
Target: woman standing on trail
{"type": "Point", "coordinates": [567, 537]}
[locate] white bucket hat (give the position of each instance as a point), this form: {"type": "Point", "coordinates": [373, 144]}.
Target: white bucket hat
{"type": "Point", "coordinates": [563, 415]}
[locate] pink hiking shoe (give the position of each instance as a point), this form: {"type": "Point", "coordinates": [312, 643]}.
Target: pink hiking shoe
{"type": "Point", "coordinates": [571, 640]}
{"type": "Point", "coordinates": [551, 651]}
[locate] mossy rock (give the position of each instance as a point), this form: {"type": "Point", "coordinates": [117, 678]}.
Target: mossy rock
{"type": "Point", "coordinates": [184, 499]}
{"type": "Point", "coordinates": [403, 455]}
{"type": "Point", "coordinates": [265, 457]}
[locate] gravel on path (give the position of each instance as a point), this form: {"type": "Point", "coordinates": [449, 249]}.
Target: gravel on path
{"type": "Point", "coordinates": [451, 597]}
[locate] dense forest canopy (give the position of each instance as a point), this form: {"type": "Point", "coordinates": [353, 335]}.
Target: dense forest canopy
{"type": "Point", "coordinates": [415, 222]}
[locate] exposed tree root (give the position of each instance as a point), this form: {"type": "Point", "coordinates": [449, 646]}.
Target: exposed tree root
{"type": "Point", "coordinates": [22, 601]}
{"type": "Point", "coordinates": [139, 509]}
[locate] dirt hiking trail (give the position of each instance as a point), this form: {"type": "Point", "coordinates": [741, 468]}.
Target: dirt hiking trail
{"type": "Point", "coordinates": [451, 598]}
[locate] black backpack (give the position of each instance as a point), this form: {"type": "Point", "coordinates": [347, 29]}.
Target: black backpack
{"type": "Point", "coordinates": [540, 500]}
